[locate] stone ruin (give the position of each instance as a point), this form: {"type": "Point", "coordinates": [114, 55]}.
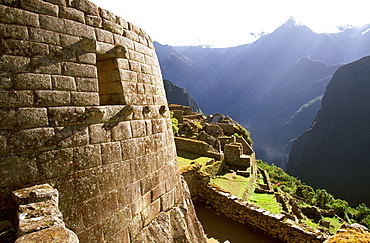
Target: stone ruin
{"type": "Point", "coordinates": [217, 132]}
{"type": "Point", "coordinates": [83, 109]}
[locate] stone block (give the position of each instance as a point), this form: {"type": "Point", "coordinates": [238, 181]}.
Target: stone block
{"type": "Point", "coordinates": [61, 54]}
{"type": "Point", "coordinates": [17, 16]}
{"type": "Point", "coordinates": [31, 140]}
{"type": "Point", "coordinates": [55, 163]}
{"type": "Point", "coordinates": [111, 152]}
{"type": "Point", "coordinates": [130, 149]}
{"type": "Point", "coordinates": [48, 66]}
{"type": "Point", "coordinates": [159, 126]}
{"type": "Point", "coordinates": [47, 98]}
{"type": "Point", "coordinates": [69, 40]}
{"type": "Point", "coordinates": [124, 196]}
{"type": "Point", "coordinates": [87, 184]}
{"type": "Point", "coordinates": [106, 49]}
{"type": "Point", "coordinates": [107, 15]}
{"type": "Point", "coordinates": [92, 234]}
{"type": "Point", "coordinates": [63, 82]}
{"type": "Point", "coordinates": [44, 36]}
{"type": "Point", "coordinates": [109, 203]}
{"type": "Point", "coordinates": [131, 35]}
{"type": "Point", "coordinates": [114, 224]}
{"type": "Point", "coordinates": [104, 36]}
{"type": "Point", "coordinates": [122, 236]}
{"type": "Point", "coordinates": [79, 70]}
{"type": "Point", "coordinates": [167, 200]}
{"type": "Point", "coordinates": [121, 21]}
{"type": "Point", "coordinates": [13, 31]}
{"type": "Point", "coordinates": [100, 133]}
{"type": "Point", "coordinates": [32, 81]}
{"type": "Point", "coordinates": [3, 143]}
{"type": "Point", "coordinates": [72, 14]}
{"type": "Point", "coordinates": [17, 171]}
{"type": "Point", "coordinates": [70, 136]}
{"type": "Point", "coordinates": [149, 182]}
{"type": "Point", "coordinates": [8, 118]}
{"type": "Point", "coordinates": [52, 23]}
{"type": "Point", "coordinates": [5, 80]}
{"type": "Point", "coordinates": [150, 212]}
{"type": "Point", "coordinates": [88, 58]}
{"type": "Point", "coordinates": [24, 48]}
{"type": "Point", "coordinates": [87, 84]}
{"type": "Point", "coordinates": [123, 63]}
{"type": "Point", "coordinates": [35, 194]}
{"type": "Point", "coordinates": [62, 116]}
{"type": "Point", "coordinates": [139, 205]}
{"type": "Point", "coordinates": [38, 216]}
{"type": "Point", "coordinates": [122, 131]}
{"type": "Point", "coordinates": [138, 128]}
{"type": "Point", "coordinates": [112, 27]}
{"type": "Point", "coordinates": [141, 168]}
{"type": "Point", "coordinates": [86, 157]}
{"type": "Point", "coordinates": [78, 29]}
{"type": "Point", "coordinates": [39, 6]}
{"type": "Point", "coordinates": [94, 21]}
{"type": "Point", "coordinates": [108, 178]}
{"type": "Point", "coordinates": [14, 63]}
{"type": "Point", "coordinates": [135, 226]}
{"type": "Point", "coordinates": [84, 98]}
{"type": "Point", "coordinates": [123, 41]}
{"type": "Point", "coordinates": [91, 211]}
{"type": "Point", "coordinates": [58, 2]}
{"type": "Point", "coordinates": [49, 235]}
{"type": "Point", "coordinates": [129, 87]}
{"type": "Point", "coordinates": [137, 56]}
{"type": "Point", "coordinates": [32, 117]}
{"type": "Point", "coordinates": [86, 6]}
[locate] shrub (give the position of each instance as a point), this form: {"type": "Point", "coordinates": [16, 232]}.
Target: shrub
{"type": "Point", "coordinates": [175, 123]}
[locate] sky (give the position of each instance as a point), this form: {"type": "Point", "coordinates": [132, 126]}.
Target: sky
{"type": "Point", "coordinates": [226, 23]}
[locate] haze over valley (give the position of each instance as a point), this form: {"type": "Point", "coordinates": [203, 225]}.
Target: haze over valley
{"type": "Point", "coordinates": [273, 86]}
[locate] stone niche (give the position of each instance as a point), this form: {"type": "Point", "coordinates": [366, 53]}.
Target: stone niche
{"type": "Point", "coordinates": [83, 108]}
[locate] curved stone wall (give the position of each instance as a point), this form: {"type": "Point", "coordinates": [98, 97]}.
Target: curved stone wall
{"type": "Point", "coordinates": [83, 108]}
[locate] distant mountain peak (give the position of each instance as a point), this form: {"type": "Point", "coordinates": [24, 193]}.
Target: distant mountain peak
{"type": "Point", "coordinates": [291, 22]}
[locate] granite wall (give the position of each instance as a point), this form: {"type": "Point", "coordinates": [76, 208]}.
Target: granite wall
{"type": "Point", "coordinates": [83, 108]}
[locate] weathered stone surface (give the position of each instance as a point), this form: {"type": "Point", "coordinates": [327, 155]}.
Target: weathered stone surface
{"type": "Point", "coordinates": [82, 107]}
{"type": "Point", "coordinates": [39, 218]}
{"type": "Point", "coordinates": [53, 235]}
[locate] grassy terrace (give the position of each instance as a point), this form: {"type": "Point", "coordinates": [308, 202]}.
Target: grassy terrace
{"type": "Point", "coordinates": [185, 158]}
{"type": "Point", "coordinates": [235, 184]}
{"type": "Point", "coordinates": [266, 201]}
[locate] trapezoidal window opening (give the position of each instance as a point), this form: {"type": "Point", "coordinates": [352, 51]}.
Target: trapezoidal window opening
{"type": "Point", "coordinates": [109, 81]}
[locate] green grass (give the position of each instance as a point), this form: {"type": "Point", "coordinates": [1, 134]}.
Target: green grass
{"type": "Point", "coordinates": [185, 158]}
{"type": "Point", "coordinates": [335, 222]}
{"type": "Point", "coordinates": [235, 184]}
{"type": "Point", "coordinates": [266, 201]}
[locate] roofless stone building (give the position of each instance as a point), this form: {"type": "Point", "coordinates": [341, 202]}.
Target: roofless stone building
{"type": "Point", "coordinates": [83, 108]}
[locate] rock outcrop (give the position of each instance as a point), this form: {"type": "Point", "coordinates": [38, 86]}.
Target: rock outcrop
{"type": "Point", "coordinates": [83, 108]}
{"type": "Point", "coordinates": [334, 153]}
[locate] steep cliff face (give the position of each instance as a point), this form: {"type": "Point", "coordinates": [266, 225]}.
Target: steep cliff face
{"type": "Point", "coordinates": [178, 95]}
{"type": "Point", "coordinates": [334, 153]}
{"type": "Point", "coordinates": [83, 108]}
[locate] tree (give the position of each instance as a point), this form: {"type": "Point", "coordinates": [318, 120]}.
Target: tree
{"type": "Point", "coordinates": [175, 123]}
{"type": "Point", "coordinates": [323, 199]}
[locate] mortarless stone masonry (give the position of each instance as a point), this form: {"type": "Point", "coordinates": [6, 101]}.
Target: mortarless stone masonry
{"type": "Point", "coordinates": [83, 108]}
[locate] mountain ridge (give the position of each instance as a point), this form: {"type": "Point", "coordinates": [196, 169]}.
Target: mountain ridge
{"type": "Point", "coordinates": [333, 152]}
